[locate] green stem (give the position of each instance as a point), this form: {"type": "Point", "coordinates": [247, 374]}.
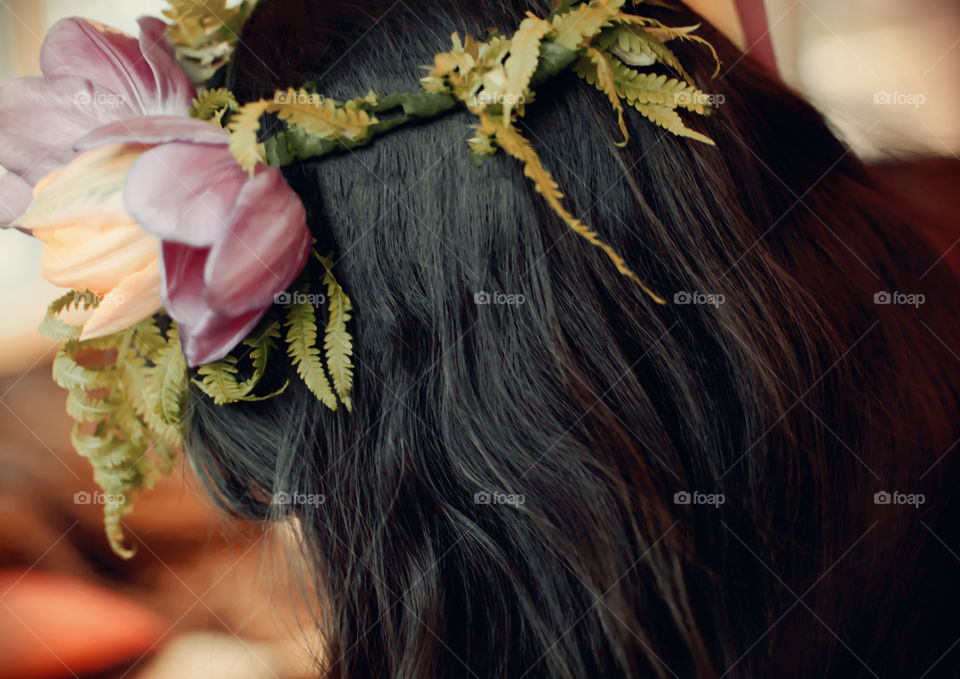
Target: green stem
{"type": "Point", "coordinates": [294, 144]}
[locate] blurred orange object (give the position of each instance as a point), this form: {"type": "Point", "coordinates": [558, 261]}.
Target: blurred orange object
{"type": "Point", "coordinates": [60, 626]}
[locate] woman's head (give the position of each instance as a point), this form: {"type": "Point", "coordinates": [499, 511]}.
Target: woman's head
{"type": "Point", "coordinates": [509, 495]}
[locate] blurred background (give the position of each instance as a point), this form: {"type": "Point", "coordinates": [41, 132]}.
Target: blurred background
{"type": "Point", "coordinates": [208, 597]}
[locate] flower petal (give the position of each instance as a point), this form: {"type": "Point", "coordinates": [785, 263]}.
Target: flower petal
{"type": "Point", "coordinates": [136, 297]}
{"type": "Point", "coordinates": [216, 335]}
{"type": "Point", "coordinates": [205, 334]}
{"type": "Point", "coordinates": [82, 258]}
{"type": "Point", "coordinates": [87, 192]}
{"type": "Point", "coordinates": [154, 130]}
{"type": "Point", "coordinates": [174, 91]}
{"type": "Point", "coordinates": [41, 117]}
{"type": "Point", "coordinates": [103, 55]}
{"type": "Point", "coordinates": [15, 197]}
{"type": "Point", "coordinates": [184, 192]}
{"type": "Point", "coordinates": [266, 248]}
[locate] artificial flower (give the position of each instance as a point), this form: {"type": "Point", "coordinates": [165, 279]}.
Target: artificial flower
{"type": "Point", "coordinates": [92, 75]}
{"type": "Point", "coordinates": [91, 241]}
{"type": "Point", "coordinates": [230, 242]}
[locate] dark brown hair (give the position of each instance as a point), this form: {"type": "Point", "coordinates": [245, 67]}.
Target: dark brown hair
{"type": "Point", "coordinates": [794, 394]}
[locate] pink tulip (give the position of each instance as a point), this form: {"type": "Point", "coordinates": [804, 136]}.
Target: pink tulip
{"type": "Point", "coordinates": [92, 75]}
{"type": "Point", "coordinates": [229, 242]}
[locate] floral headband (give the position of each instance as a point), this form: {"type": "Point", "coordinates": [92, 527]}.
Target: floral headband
{"type": "Point", "coordinates": [164, 211]}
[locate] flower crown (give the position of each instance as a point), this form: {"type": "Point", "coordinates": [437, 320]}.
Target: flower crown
{"type": "Point", "coordinates": [165, 212]}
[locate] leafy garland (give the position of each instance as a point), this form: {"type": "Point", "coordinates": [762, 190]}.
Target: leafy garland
{"type": "Point", "coordinates": [494, 79]}
{"type": "Point", "coordinates": [128, 392]}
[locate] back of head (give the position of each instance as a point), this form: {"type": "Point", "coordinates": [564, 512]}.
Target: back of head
{"type": "Point", "coordinates": [545, 473]}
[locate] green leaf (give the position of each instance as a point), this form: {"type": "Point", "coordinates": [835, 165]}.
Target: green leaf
{"type": "Point", "coordinates": [212, 104]}
{"type": "Point", "coordinates": [220, 379]}
{"type": "Point", "coordinates": [70, 375]}
{"type": "Point", "coordinates": [636, 47]}
{"type": "Point", "coordinates": [337, 342]}
{"type": "Point", "coordinates": [84, 409]}
{"type": "Point", "coordinates": [301, 346]}
{"type": "Point", "coordinates": [56, 330]}
{"type": "Point", "coordinates": [167, 380]}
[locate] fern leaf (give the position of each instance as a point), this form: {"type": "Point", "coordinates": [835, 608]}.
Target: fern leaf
{"type": "Point", "coordinates": [650, 88]}
{"type": "Point", "coordinates": [84, 409]}
{"type": "Point", "coordinates": [261, 343]}
{"type": "Point", "coordinates": [511, 141]}
{"type": "Point", "coordinates": [147, 338]}
{"type": "Point", "coordinates": [301, 346]}
{"type": "Point", "coordinates": [136, 392]}
{"type": "Point", "coordinates": [321, 116]}
{"type": "Point", "coordinates": [665, 33]}
{"type": "Point", "coordinates": [70, 375]}
{"type": "Point", "coordinates": [597, 71]}
{"type": "Point", "coordinates": [337, 342]}
{"type": "Point", "coordinates": [167, 380]}
{"type": "Point", "coordinates": [571, 29]}
{"type": "Point", "coordinates": [219, 381]}
{"type": "Point", "coordinates": [636, 47]}
{"type": "Point", "coordinates": [522, 62]}
{"type": "Point", "coordinates": [243, 127]}
{"type": "Point", "coordinates": [57, 330]}
{"type": "Point", "coordinates": [210, 104]}
{"type": "Point", "coordinates": [668, 118]}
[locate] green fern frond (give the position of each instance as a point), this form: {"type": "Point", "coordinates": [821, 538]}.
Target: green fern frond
{"type": "Point", "coordinates": [261, 343]}
{"type": "Point", "coordinates": [321, 116]}
{"type": "Point", "coordinates": [574, 27]}
{"type": "Point", "coordinates": [650, 88]}
{"type": "Point", "coordinates": [137, 391]}
{"type": "Point", "coordinates": [82, 408]}
{"type": "Point", "coordinates": [220, 379]}
{"type": "Point", "coordinates": [243, 126]}
{"type": "Point", "coordinates": [635, 46]}
{"type": "Point", "coordinates": [167, 380]}
{"type": "Point", "coordinates": [668, 118]}
{"type": "Point", "coordinates": [147, 338]}
{"type": "Point", "coordinates": [210, 104]}
{"type": "Point", "coordinates": [665, 33]}
{"type": "Point", "coordinates": [337, 341]}
{"type": "Point", "coordinates": [596, 69]}
{"type": "Point", "coordinates": [301, 346]}
{"type": "Point", "coordinates": [56, 330]}
{"type": "Point", "coordinates": [71, 375]}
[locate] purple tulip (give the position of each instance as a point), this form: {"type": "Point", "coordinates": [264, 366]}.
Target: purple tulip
{"type": "Point", "coordinates": [92, 75]}
{"type": "Point", "coordinates": [229, 242]}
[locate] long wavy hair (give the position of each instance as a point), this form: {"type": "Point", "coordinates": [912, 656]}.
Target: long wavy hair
{"type": "Point", "coordinates": [582, 482]}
